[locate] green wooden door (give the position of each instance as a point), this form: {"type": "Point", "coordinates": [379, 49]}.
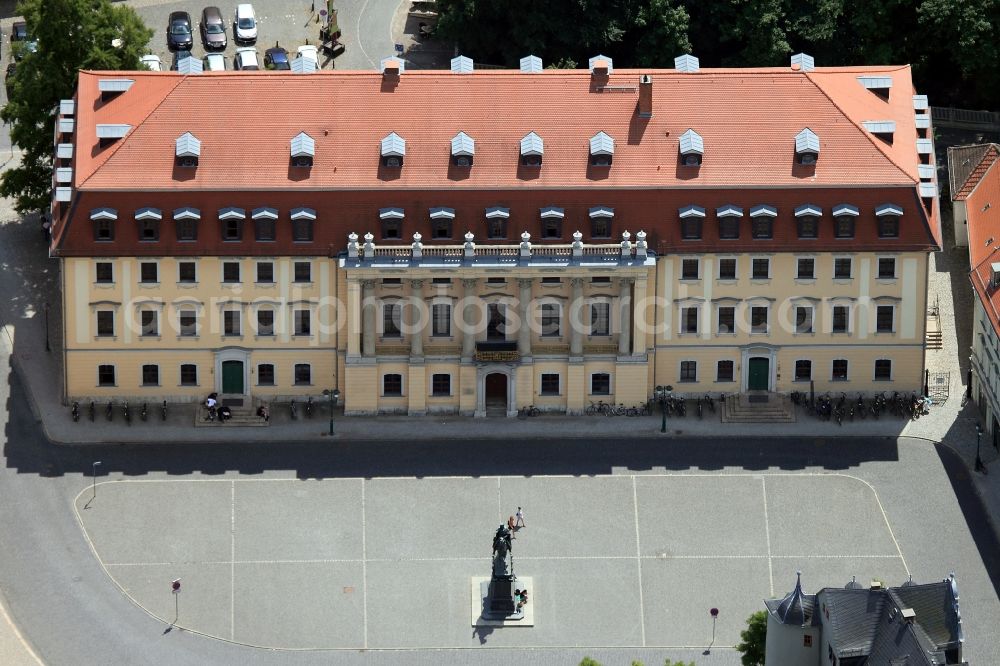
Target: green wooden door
{"type": "Point", "coordinates": [232, 376]}
{"type": "Point", "coordinates": [759, 371]}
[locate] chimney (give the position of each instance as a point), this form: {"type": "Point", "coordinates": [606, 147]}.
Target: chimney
{"type": "Point", "coordinates": [876, 585]}
{"type": "Point", "coordinates": [908, 615]}
{"type": "Point", "coordinates": [645, 96]}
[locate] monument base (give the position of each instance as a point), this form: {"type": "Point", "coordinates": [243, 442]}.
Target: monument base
{"type": "Point", "coordinates": [482, 614]}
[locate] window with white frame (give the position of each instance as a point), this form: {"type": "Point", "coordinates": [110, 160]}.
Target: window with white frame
{"type": "Point", "coordinates": [689, 371]}
{"type": "Point", "coordinates": [231, 323]}
{"type": "Point", "coordinates": [392, 320]}
{"type": "Point", "coordinates": [104, 272]}
{"type": "Point", "coordinates": [189, 374]}
{"type": "Point", "coordinates": [841, 318]}
{"type": "Point", "coordinates": [758, 319]}
{"type": "Point", "coordinates": [886, 268]}
{"type": "Point", "coordinates": [839, 370]}
{"type": "Point", "coordinates": [883, 370]}
{"type": "Point", "coordinates": [842, 268]}
{"type": "Point", "coordinates": [803, 319]}
{"type": "Point", "coordinates": [303, 374]}
{"type": "Point", "coordinates": [149, 272]}
{"type": "Point", "coordinates": [727, 320]}
{"type": "Point", "coordinates": [187, 272]}
{"type": "Point", "coordinates": [149, 323]}
{"type": "Point", "coordinates": [230, 271]}
{"type": "Point", "coordinates": [727, 268]}
{"type": "Point", "coordinates": [441, 319]}
{"type": "Point", "coordinates": [805, 268]}
{"type": "Point", "coordinates": [392, 385]}
{"type": "Point", "coordinates": [600, 318]}
{"type": "Point", "coordinates": [551, 320]}
{"type": "Point", "coordinates": [302, 321]}
{"type": "Point", "coordinates": [885, 318]}
{"type": "Point", "coordinates": [690, 269]}
{"type": "Point", "coordinates": [105, 323]}
{"type": "Point", "coordinates": [106, 375]}
{"type": "Point", "coordinates": [265, 272]}
{"type": "Point", "coordinates": [803, 370]}
{"type": "Point", "coordinates": [600, 383]}
{"type": "Point", "coordinates": [303, 271]}
{"type": "Point", "coordinates": [150, 375]}
{"type": "Point", "coordinates": [440, 384]}
{"type": "Point", "coordinates": [724, 371]}
{"type": "Point", "coordinates": [760, 268]}
{"type": "Point", "coordinates": [549, 383]}
{"type": "Point", "coordinates": [689, 319]}
{"type": "Point", "coordinates": [265, 322]}
{"type": "Point", "coordinates": [265, 374]}
{"type": "Point", "coordinates": [188, 320]}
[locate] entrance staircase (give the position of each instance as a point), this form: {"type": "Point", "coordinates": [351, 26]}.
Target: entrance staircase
{"type": "Point", "coordinates": [758, 407]}
{"type": "Point", "coordinates": [244, 414]}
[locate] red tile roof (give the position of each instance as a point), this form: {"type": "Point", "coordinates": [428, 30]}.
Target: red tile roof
{"type": "Point", "coordinates": [747, 117]}
{"type": "Point", "coordinates": [982, 205]}
{"type": "Point", "coordinates": [972, 162]}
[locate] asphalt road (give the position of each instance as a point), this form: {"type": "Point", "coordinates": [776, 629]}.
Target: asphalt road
{"type": "Point", "coordinates": [69, 611]}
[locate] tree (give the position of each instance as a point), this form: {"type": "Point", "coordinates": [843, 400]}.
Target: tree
{"type": "Point", "coordinates": [753, 640]}
{"type": "Point", "coordinates": [72, 35]}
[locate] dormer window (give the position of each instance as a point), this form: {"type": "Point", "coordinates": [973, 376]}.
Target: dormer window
{"type": "Point", "coordinates": [463, 149]}
{"type": "Point", "coordinates": [532, 148]}
{"type": "Point", "coordinates": [496, 222]}
{"type": "Point", "coordinates": [441, 222]}
{"type": "Point", "coordinates": [552, 219]}
{"type": "Point", "coordinates": [888, 216]}
{"type": "Point", "coordinates": [882, 129]}
{"type": "Point", "coordinates": [879, 85]}
{"type": "Point", "coordinates": [187, 151]}
{"type": "Point", "coordinates": [843, 220]}
{"type": "Point", "coordinates": [392, 223]}
{"type": "Point", "coordinates": [806, 147]}
{"type": "Point", "coordinates": [692, 148]}
{"type": "Point", "coordinates": [393, 150]}
{"type": "Point", "coordinates": [600, 221]}
{"type": "Point", "coordinates": [602, 150]}
{"type": "Point", "coordinates": [231, 223]}
{"type": "Point", "coordinates": [691, 222]}
{"type": "Point", "coordinates": [148, 224]}
{"type": "Point", "coordinates": [729, 217]}
{"type": "Point", "coordinates": [104, 223]}
{"type": "Point", "coordinates": [111, 88]}
{"type": "Point", "coordinates": [762, 222]}
{"type": "Point", "coordinates": [807, 219]}
{"type": "Point", "coordinates": [303, 149]}
{"type": "Point", "coordinates": [995, 275]}
{"type": "Point", "coordinates": [108, 134]}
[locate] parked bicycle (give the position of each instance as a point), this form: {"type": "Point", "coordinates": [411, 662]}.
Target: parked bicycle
{"type": "Point", "coordinates": [309, 407]}
{"type": "Point", "coordinates": [291, 409]}
{"type": "Point", "coordinates": [128, 417]}
{"type": "Point", "coordinates": [163, 411]}
{"type": "Point", "coordinates": [109, 411]}
{"type": "Point", "coordinates": [75, 411]}
{"type": "Point", "coordinates": [144, 413]}
{"type": "Point", "coordinates": [528, 410]}
{"type": "Point", "coordinates": [93, 409]}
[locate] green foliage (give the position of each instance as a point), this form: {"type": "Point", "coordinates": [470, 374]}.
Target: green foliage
{"type": "Point", "coordinates": [753, 640]}
{"type": "Point", "coordinates": [72, 35]}
{"type": "Point", "coordinates": [953, 45]}
{"type": "Point", "coordinates": [587, 661]}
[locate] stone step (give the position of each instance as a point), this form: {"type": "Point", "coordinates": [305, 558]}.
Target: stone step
{"type": "Point", "coordinates": [241, 418]}
{"type": "Point", "coordinates": [739, 409]}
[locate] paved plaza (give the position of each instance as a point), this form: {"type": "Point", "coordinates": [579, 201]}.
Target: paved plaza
{"type": "Point", "coordinates": [616, 561]}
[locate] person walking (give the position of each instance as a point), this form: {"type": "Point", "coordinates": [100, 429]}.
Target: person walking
{"type": "Point", "coordinates": [520, 518]}
{"type": "Point", "coordinates": [511, 526]}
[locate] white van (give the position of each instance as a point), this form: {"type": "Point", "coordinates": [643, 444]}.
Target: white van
{"type": "Point", "coordinates": [245, 25]}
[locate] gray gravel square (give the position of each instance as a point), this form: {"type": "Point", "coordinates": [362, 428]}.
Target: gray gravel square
{"type": "Point", "coordinates": [701, 515]}
{"type": "Point", "coordinates": [572, 516]}
{"type": "Point", "coordinates": [298, 520]}
{"type": "Point", "coordinates": [160, 522]}
{"type": "Point", "coordinates": [300, 605]}
{"type": "Point", "coordinates": [828, 515]}
{"type": "Point", "coordinates": [422, 518]}
{"type": "Point", "coordinates": [679, 593]}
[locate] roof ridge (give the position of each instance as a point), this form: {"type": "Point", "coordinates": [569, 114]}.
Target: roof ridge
{"type": "Point", "coordinates": [118, 144]}
{"type": "Point", "coordinates": [865, 133]}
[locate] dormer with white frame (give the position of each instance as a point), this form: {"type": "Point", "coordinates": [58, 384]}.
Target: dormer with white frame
{"type": "Point", "coordinates": [806, 147]}
{"type": "Point", "coordinates": [302, 150]}
{"type": "Point", "coordinates": [463, 150]}
{"type": "Point", "coordinates": [691, 148]}
{"type": "Point", "coordinates": [393, 150]}
{"type": "Point", "coordinates": [532, 149]}
{"type": "Point", "coordinates": [602, 150]}
{"type": "Point", "coordinates": [187, 151]}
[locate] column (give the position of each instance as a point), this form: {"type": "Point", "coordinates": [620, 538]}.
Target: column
{"type": "Point", "coordinates": [368, 318]}
{"type": "Point", "coordinates": [353, 317]}
{"type": "Point", "coordinates": [624, 307]}
{"type": "Point", "coordinates": [524, 311]}
{"type": "Point", "coordinates": [638, 318]}
{"type": "Point", "coordinates": [413, 318]}
{"type": "Point", "coordinates": [468, 316]}
{"type": "Point", "coordinates": [576, 318]}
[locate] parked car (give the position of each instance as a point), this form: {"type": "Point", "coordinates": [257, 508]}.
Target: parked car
{"type": "Point", "coordinates": [178, 56]}
{"type": "Point", "coordinates": [245, 25]}
{"type": "Point", "coordinates": [276, 58]}
{"type": "Point", "coordinates": [246, 59]}
{"type": "Point", "coordinates": [214, 62]}
{"type": "Point", "coordinates": [152, 62]}
{"type": "Point", "coordinates": [309, 51]}
{"type": "Point", "coordinates": [213, 29]}
{"type": "Point", "coordinates": [179, 35]}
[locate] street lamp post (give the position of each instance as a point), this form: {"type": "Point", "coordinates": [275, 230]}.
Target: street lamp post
{"type": "Point", "coordinates": [661, 395]}
{"type": "Point", "coordinates": [979, 461]}
{"type": "Point", "coordinates": [334, 394]}
{"type": "Point", "coordinates": [93, 468]}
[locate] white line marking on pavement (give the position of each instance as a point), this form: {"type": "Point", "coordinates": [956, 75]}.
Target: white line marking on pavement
{"type": "Point", "coordinates": [17, 633]}
{"type": "Point", "coordinates": [364, 568]}
{"type": "Point", "coordinates": [357, 33]}
{"type": "Point", "coordinates": [767, 533]}
{"type": "Point", "coordinates": [232, 564]}
{"type": "Point", "coordinates": [638, 562]}
{"type": "Point", "coordinates": [499, 507]}
{"type": "Point", "coordinates": [892, 535]}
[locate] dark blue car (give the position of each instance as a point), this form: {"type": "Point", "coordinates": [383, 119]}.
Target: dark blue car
{"type": "Point", "coordinates": [179, 33]}
{"type": "Point", "coordinates": [276, 58]}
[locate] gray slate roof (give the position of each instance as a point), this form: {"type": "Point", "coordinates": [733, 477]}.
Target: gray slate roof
{"type": "Point", "coordinates": [962, 160]}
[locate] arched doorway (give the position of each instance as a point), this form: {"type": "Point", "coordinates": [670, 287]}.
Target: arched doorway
{"type": "Point", "coordinates": [496, 394]}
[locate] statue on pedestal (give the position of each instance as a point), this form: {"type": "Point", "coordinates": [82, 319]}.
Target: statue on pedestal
{"type": "Point", "coordinates": [501, 600]}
